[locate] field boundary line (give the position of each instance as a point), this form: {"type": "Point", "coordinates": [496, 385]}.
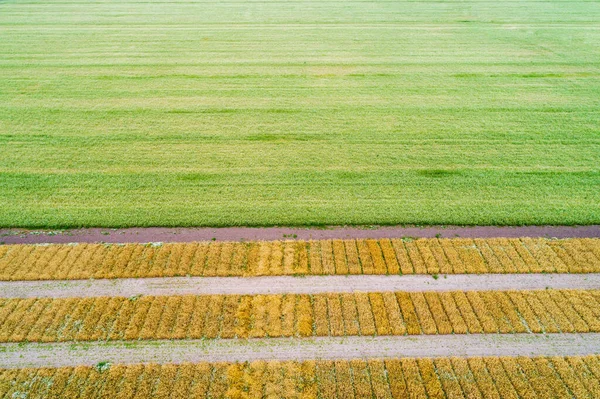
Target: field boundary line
{"type": "Point", "coordinates": [193, 234]}
{"type": "Point", "coordinates": [157, 286]}
{"type": "Point", "coordinates": [321, 348]}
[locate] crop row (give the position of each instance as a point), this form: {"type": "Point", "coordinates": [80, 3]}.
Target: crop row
{"type": "Point", "coordinates": [228, 316]}
{"type": "Point", "coordinates": [504, 377]}
{"type": "Point", "coordinates": [396, 256]}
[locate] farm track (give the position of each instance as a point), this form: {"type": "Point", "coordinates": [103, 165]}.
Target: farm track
{"type": "Point", "coordinates": [298, 349]}
{"type": "Point", "coordinates": [326, 257]}
{"type": "Point", "coordinates": [166, 234]}
{"type": "Point", "coordinates": [293, 285]}
{"type": "Point", "coordinates": [331, 314]}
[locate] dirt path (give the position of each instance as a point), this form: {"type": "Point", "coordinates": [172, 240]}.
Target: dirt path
{"type": "Point", "coordinates": [164, 234]}
{"type": "Point", "coordinates": [230, 350]}
{"type": "Point", "coordinates": [293, 285]}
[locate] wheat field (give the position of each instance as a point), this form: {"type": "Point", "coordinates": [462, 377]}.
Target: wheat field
{"type": "Point", "coordinates": [487, 377]}
{"type": "Point", "coordinates": [88, 319]}
{"type": "Point", "coordinates": [323, 257]}
{"type": "Point", "coordinates": [333, 314]}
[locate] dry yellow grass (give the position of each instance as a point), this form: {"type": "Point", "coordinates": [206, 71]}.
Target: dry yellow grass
{"type": "Point", "coordinates": [327, 261]}
{"type": "Point", "coordinates": [439, 314]}
{"type": "Point", "coordinates": [415, 257]}
{"type": "Point", "coordinates": [408, 313]}
{"type": "Point", "coordinates": [218, 383]}
{"type": "Point", "coordinates": [288, 312]}
{"type": "Point", "coordinates": [393, 313]}
{"type": "Point", "coordinates": [304, 316]}
{"type": "Point", "coordinates": [365, 314]}
{"type": "Point", "coordinates": [389, 256]}
{"type": "Point", "coordinates": [380, 315]}
{"type": "Point", "coordinates": [518, 378]}
{"type": "Point", "coordinates": [331, 314]}
{"type": "Point", "coordinates": [336, 320]}
{"type": "Point", "coordinates": [570, 378]}
{"type": "Point", "coordinates": [582, 370]}
{"type": "Point", "coordinates": [532, 325]}
{"type": "Point", "coordinates": [343, 379]}
{"type": "Point", "coordinates": [412, 376]}
{"type": "Point", "coordinates": [422, 256]}
{"type": "Point", "coordinates": [465, 377]}
{"type": "Point", "coordinates": [470, 255]}
{"type": "Point", "coordinates": [549, 375]}
{"type": "Point", "coordinates": [479, 307]}
{"type": "Point", "coordinates": [466, 311]}
{"type": "Point", "coordinates": [131, 375]}
{"type": "Point", "coordinates": [379, 380]}
{"type": "Point", "coordinates": [448, 379]}
{"type": "Point", "coordinates": [320, 311]}
{"type": "Point", "coordinates": [350, 314]}
{"type": "Point", "coordinates": [492, 302]}
{"type": "Point", "coordinates": [501, 380]}
{"type": "Point", "coordinates": [430, 378]}
{"type": "Point", "coordinates": [361, 378]}
{"type": "Point", "coordinates": [482, 378]}
{"type": "Point", "coordinates": [314, 257]}
{"type": "Point", "coordinates": [459, 325]}
{"type": "Point", "coordinates": [396, 380]}
{"type": "Point", "coordinates": [426, 319]}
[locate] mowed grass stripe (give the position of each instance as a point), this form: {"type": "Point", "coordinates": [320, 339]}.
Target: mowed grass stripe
{"type": "Point", "coordinates": [333, 314]}
{"type": "Point", "coordinates": [325, 257]}
{"type": "Point", "coordinates": [504, 377]}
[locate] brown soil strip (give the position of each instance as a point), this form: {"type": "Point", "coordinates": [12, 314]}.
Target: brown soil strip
{"type": "Point", "coordinates": [239, 350]}
{"type": "Point", "coordinates": [293, 285]}
{"type": "Point", "coordinates": [165, 234]}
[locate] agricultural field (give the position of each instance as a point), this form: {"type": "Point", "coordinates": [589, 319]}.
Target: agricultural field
{"type": "Point", "coordinates": [322, 257]}
{"type": "Point", "coordinates": [493, 377]}
{"type": "Point", "coordinates": [330, 116]}
{"type": "Point", "coordinates": [449, 343]}
{"type": "Point", "coordinates": [236, 113]}
{"type": "Point", "coordinates": [332, 314]}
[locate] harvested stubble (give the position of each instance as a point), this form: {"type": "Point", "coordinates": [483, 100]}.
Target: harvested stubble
{"type": "Point", "coordinates": [330, 314]}
{"type": "Point", "coordinates": [504, 377]}
{"type": "Point", "coordinates": [395, 256]}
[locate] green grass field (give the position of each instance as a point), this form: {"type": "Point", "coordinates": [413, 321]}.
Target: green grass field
{"type": "Point", "coordinates": [125, 113]}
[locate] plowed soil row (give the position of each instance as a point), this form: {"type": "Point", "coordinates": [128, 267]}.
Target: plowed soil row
{"type": "Point", "coordinates": [327, 257]}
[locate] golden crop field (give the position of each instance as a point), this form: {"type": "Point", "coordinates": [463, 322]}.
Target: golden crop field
{"type": "Point", "coordinates": [291, 120]}
{"type": "Point", "coordinates": [257, 316]}
{"type": "Point", "coordinates": [488, 377]}
{"type": "Point", "coordinates": [326, 257]}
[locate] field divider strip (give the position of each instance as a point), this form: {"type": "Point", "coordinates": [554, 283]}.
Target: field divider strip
{"type": "Point", "coordinates": [157, 286]}
{"type": "Point", "coordinates": [193, 234]}
{"type": "Point", "coordinates": [321, 348]}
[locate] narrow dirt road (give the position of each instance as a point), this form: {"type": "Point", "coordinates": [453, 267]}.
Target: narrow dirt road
{"type": "Point", "coordinates": [166, 234]}
{"type": "Point", "coordinates": [293, 285]}
{"type": "Point", "coordinates": [237, 350]}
